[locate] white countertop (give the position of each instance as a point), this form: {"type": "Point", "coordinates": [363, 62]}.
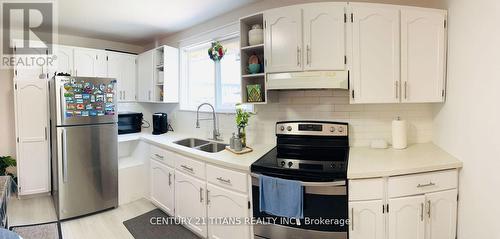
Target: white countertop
{"type": "Point", "coordinates": [365, 162]}
{"type": "Point", "coordinates": [223, 158]}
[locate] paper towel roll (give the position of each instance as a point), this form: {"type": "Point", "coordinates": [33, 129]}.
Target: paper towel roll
{"type": "Point", "coordinates": [399, 140]}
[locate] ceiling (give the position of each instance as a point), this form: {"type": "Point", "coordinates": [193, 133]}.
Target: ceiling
{"type": "Point", "coordinates": [137, 21]}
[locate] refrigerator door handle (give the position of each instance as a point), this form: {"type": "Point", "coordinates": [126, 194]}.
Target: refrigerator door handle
{"type": "Point", "coordinates": [64, 157]}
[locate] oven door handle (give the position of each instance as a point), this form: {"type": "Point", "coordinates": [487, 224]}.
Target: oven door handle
{"type": "Point", "coordinates": [315, 184]}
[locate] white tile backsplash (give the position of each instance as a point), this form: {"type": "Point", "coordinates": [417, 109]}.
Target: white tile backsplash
{"type": "Point", "coordinates": [367, 122]}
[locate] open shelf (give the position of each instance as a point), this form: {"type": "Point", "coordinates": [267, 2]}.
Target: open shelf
{"type": "Point", "coordinates": [253, 75]}
{"type": "Point", "coordinates": [254, 47]}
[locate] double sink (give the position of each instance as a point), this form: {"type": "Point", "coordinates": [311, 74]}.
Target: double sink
{"type": "Point", "coordinates": [202, 145]}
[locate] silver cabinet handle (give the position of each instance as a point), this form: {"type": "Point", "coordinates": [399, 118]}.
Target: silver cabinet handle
{"type": "Point", "coordinates": [426, 185]}
{"type": "Point", "coordinates": [124, 95]}
{"type": "Point", "coordinates": [406, 89]}
{"type": "Point", "coordinates": [352, 219]}
{"type": "Point", "coordinates": [76, 72]}
{"type": "Point", "coordinates": [308, 55]}
{"type": "Point", "coordinates": [298, 56]}
{"type": "Point", "coordinates": [64, 157]}
{"type": "Point", "coordinates": [159, 156]}
{"type": "Point", "coordinates": [149, 95]}
{"type": "Point", "coordinates": [121, 95]}
{"type": "Point", "coordinates": [201, 195]}
{"type": "Point", "coordinates": [422, 212]}
{"type": "Point", "coordinates": [46, 133]}
{"type": "Point", "coordinates": [187, 168]}
{"type": "Point", "coordinates": [396, 87]}
{"type": "Point", "coordinates": [221, 179]}
{"type": "Point", "coordinates": [429, 208]}
{"type": "Point", "coordinates": [208, 197]}
{"type": "Point", "coordinates": [169, 179]}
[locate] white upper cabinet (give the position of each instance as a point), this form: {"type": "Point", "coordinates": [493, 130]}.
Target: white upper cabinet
{"type": "Point", "coordinates": [423, 49]}
{"type": "Point", "coordinates": [406, 217]}
{"type": "Point", "coordinates": [376, 55]}
{"type": "Point", "coordinates": [367, 220]}
{"type": "Point", "coordinates": [324, 36]}
{"type": "Point", "coordinates": [145, 76]}
{"type": "Point", "coordinates": [283, 39]}
{"type": "Point", "coordinates": [64, 60]}
{"type": "Point", "coordinates": [101, 65]}
{"type": "Point", "coordinates": [123, 67]}
{"type": "Point", "coordinates": [441, 210]}
{"type": "Point", "coordinates": [90, 62]}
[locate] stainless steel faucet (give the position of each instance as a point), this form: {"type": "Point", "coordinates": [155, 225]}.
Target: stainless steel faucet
{"type": "Point", "coordinates": [216, 133]}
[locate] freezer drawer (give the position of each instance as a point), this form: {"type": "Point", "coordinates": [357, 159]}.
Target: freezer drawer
{"type": "Point", "coordinates": [87, 169]}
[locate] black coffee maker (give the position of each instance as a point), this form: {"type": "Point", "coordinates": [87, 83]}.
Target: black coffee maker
{"type": "Point", "coordinates": [160, 123]}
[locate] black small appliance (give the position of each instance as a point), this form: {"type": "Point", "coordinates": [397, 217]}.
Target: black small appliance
{"type": "Point", "coordinates": [129, 122]}
{"type": "Point", "coordinates": [160, 123]}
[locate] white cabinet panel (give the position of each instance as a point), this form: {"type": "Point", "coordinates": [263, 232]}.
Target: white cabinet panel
{"type": "Point", "coordinates": [190, 196]}
{"type": "Point", "coordinates": [33, 147]}
{"type": "Point", "coordinates": [64, 59]}
{"type": "Point", "coordinates": [283, 39]}
{"type": "Point", "coordinates": [162, 186]}
{"type": "Point", "coordinates": [406, 217]}
{"type": "Point", "coordinates": [101, 64]}
{"type": "Point", "coordinates": [145, 78]}
{"type": "Point", "coordinates": [376, 53]}
{"type": "Point", "coordinates": [85, 60]}
{"type": "Point", "coordinates": [366, 220]}
{"type": "Point", "coordinates": [422, 55]}
{"type": "Point", "coordinates": [324, 36]}
{"type": "Point", "coordinates": [442, 214]}
{"type": "Point", "coordinates": [223, 203]}
{"type": "Point", "coordinates": [123, 68]}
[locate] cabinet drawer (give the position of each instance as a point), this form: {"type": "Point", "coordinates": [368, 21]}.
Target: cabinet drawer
{"type": "Point", "coordinates": [366, 189]}
{"type": "Point", "coordinates": [227, 178]}
{"type": "Point", "coordinates": [422, 183]}
{"type": "Point", "coordinates": [190, 166]}
{"type": "Point", "coordinates": [162, 155]}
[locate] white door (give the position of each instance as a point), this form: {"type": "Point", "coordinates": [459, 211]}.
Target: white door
{"type": "Point", "coordinates": [29, 70]}
{"type": "Point", "coordinates": [283, 39]}
{"type": "Point", "coordinates": [366, 220]}
{"type": "Point", "coordinates": [162, 186]}
{"type": "Point", "coordinates": [423, 49]}
{"type": "Point", "coordinates": [324, 36]}
{"type": "Point", "coordinates": [123, 68]}
{"type": "Point", "coordinates": [145, 77]}
{"type": "Point", "coordinates": [376, 57]}
{"type": "Point", "coordinates": [64, 59]}
{"type": "Point", "coordinates": [223, 203]}
{"type": "Point", "coordinates": [190, 196]}
{"type": "Point", "coordinates": [101, 64]}
{"type": "Point", "coordinates": [85, 60]}
{"type": "Point", "coordinates": [31, 108]}
{"type": "Point", "coordinates": [441, 214]}
{"type": "Point", "coordinates": [406, 217]}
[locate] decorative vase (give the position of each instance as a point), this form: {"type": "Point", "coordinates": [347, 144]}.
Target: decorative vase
{"type": "Point", "coordinates": [256, 35]}
{"type": "Point", "coordinates": [243, 136]}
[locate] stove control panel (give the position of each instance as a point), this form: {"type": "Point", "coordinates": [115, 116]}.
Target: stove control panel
{"type": "Point", "coordinates": [326, 166]}
{"type": "Point", "coordinates": [312, 128]}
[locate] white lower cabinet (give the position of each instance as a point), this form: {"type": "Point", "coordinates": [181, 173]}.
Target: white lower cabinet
{"type": "Point", "coordinates": [162, 186]}
{"type": "Point", "coordinates": [227, 205]}
{"type": "Point", "coordinates": [406, 217]}
{"type": "Point", "coordinates": [417, 206]}
{"type": "Point", "coordinates": [367, 219]}
{"type": "Point", "coordinates": [190, 202]}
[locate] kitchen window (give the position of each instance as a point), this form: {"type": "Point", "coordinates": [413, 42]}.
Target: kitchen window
{"type": "Point", "coordinates": [203, 80]}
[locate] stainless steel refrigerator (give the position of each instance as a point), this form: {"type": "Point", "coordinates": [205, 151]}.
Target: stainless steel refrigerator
{"type": "Point", "coordinates": [84, 138]}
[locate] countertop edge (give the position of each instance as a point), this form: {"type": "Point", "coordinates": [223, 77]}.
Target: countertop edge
{"type": "Point", "coordinates": [401, 172]}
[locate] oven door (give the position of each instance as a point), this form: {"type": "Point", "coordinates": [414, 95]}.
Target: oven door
{"type": "Point", "coordinates": [325, 214]}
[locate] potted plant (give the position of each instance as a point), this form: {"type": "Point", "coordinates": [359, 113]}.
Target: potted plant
{"type": "Point", "coordinates": [5, 162]}
{"type": "Point", "coordinates": [242, 117]}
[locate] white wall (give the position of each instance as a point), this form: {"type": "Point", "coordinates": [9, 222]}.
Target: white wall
{"type": "Point", "coordinates": [468, 124]}
{"type": "Point", "coordinates": [7, 124]}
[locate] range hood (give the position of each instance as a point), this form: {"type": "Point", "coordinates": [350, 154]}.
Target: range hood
{"type": "Point", "coordinates": [308, 80]}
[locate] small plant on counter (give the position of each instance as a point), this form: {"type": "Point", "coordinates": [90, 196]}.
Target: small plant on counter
{"type": "Point", "coordinates": [242, 118]}
{"type": "Point", "coordinates": [5, 162]}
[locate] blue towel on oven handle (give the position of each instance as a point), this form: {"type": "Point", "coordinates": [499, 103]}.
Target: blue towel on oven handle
{"type": "Point", "coordinates": [281, 197]}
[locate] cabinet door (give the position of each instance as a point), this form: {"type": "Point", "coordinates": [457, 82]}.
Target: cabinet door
{"type": "Point", "coordinates": [366, 220]}
{"type": "Point", "coordinates": [30, 71]}
{"type": "Point", "coordinates": [64, 61]}
{"type": "Point", "coordinates": [324, 36]}
{"type": "Point", "coordinates": [442, 214]}
{"type": "Point", "coordinates": [31, 108]}
{"type": "Point", "coordinates": [190, 202]}
{"type": "Point", "coordinates": [101, 64]}
{"type": "Point", "coordinates": [171, 74]}
{"type": "Point", "coordinates": [376, 65]}
{"type": "Point", "coordinates": [123, 68]}
{"type": "Point", "coordinates": [85, 60]}
{"type": "Point", "coordinates": [223, 203]}
{"type": "Point", "coordinates": [145, 76]}
{"type": "Point", "coordinates": [406, 217]}
{"type": "Point", "coordinates": [422, 55]}
{"type": "Point", "coordinates": [162, 186]}
{"type": "Point", "coordinates": [283, 39]}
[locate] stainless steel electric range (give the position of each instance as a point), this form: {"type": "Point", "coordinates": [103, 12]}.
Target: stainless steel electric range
{"type": "Point", "coordinates": [315, 153]}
